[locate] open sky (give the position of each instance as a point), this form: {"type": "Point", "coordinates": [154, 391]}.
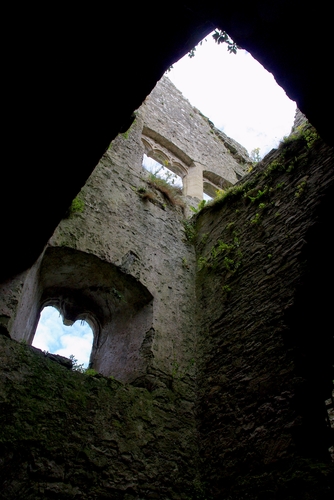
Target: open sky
{"type": "Point", "coordinates": [237, 94]}
{"type": "Point", "coordinates": [53, 336]}
{"type": "Point", "coordinates": [242, 99]}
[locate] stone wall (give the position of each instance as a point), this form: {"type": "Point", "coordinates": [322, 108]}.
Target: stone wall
{"type": "Point", "coordinates": [171, 123]}
{"type": "Point", "coordinates": [164, 128]}
{"type": "Point", "coordinates": [266, 346]}
{"type": "Point", "coordinates": [124, 264]}
{"type": "Point", "coordinates": [121, 261]}
{"type": "Point", "coordinates": [66, 435]}
{"type": "Point", "coordinates": [212, 335]}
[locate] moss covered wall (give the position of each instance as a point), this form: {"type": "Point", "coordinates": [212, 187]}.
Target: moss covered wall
{"type": "Point", "coordinates": [266, 345]}
{"type": "Point", "coordinates": [67, 435]}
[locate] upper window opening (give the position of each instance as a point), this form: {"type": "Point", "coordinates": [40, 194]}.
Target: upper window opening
{"type": "Point", "coordinates": [55, 337]}
{"type": "Point", "coordinates": [206, 197]}
{"type": "Point", "coordinates": [160, 169]}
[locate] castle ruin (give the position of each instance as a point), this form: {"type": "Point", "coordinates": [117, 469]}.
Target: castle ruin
{"type": "Point", "coordinates": [212, 335]}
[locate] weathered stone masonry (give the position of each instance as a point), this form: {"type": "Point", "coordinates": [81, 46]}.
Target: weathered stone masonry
{"type": "Point", "coordinates": [125, 265]}
{"type": "Point", "coordinates": [178, 134]}
{"type": "Point", "coordinates": [266, 352]}
{"type": "Point", "coordinates": [120, 262]}
{"type": "Point", "coordinates": [143, 246]}
{"type": "Point", "coordinates": [221, 372]}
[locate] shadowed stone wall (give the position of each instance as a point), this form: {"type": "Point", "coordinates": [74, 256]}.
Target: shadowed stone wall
{"type": "Point", "coordinates": [65, 435]}
{"type": "Point", "coordinates": [114, 223]}
{"type": "Point", "coordinates": [124, 260]}
{"type": "Point", "coordinates": [220, 390]}
{"type": "Point", "coordinates": [266, 346]}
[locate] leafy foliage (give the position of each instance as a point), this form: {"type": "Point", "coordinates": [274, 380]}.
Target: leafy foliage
{"type": "Point", "coordinates": [160, 168]}
{"type": "Point", "coordinates": [79, 367]}
{"type": "Point", "coordinates": [190, 231]}
{"type": "Point", "coordinates": [231, 257]}
{"type": "Point", "coordinates": [255, 155]}
{"type": "Point", "coordinates": [75, 365]}
{"type": "Point", "coordinates": [77, 206]}
{"type": "Point", "coordinates": [222, 37]}
{"type": "Point", "coordinates": [199, 206]}
{"type": "Point", "coordinates": [259, 194]}
{"type": "Point", "coordinates": [219, 37]}
{"type": "Point", "coordinates": [222, 195]}
{"type": "Point", "coordinates": [304, 132]}
{"type": "Point", "coordinates": [170, 193]}
{"type": "Point", "coordinates": [91, 372]}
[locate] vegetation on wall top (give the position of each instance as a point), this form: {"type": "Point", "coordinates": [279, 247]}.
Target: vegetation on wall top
{"type": "Point", "coordinates": [172, 194]}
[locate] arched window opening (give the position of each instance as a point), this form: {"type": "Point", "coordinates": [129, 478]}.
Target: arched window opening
{"type": "Point", "coordinates": [213, 183]}
{"type": "Point", "coordinates": [159, 169]}
{"type": "Point", "coordinates": [206, 197]}
{"type": "Point", "coordinates": [74, 340]}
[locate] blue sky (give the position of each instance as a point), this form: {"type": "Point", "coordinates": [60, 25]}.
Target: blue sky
{"type": "Point", "coordinates": [241, 98]}
{"type": "Point", "coordinates": [53, 336]}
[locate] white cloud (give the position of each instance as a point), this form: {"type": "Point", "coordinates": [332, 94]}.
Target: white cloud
{"type": "Point", "coordinates": [53, 336]}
